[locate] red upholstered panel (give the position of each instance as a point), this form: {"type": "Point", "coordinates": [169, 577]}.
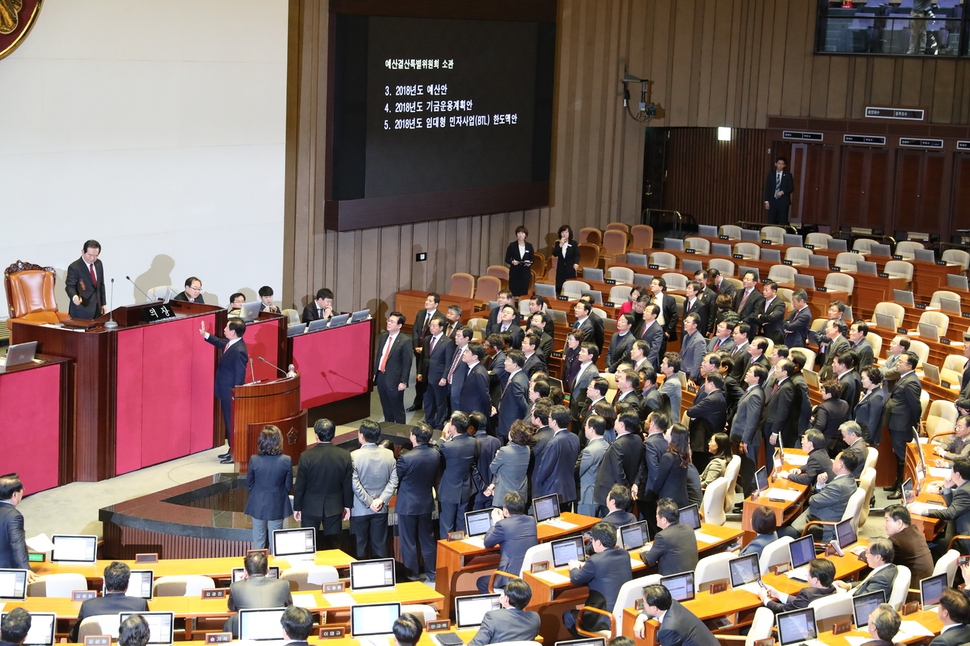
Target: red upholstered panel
{"type": "Point", "coordinates": [262, 340]}
{"type": "Point", "coordinates": [165, 399]}
{"type": "Point", "coordinates": [29, 425]}
{"type": "Point", "coordinates": [333, 364]}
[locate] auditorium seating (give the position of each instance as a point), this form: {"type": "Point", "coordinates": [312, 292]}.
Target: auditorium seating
{"type": "Point", "coordinates": [939, 319]}
{"type": "Point", "coordinates": [614, 244]}
{"type": "Point", "coordinates": [309, 577]}
{"type": "Point", "coordinates": [57, 585]}
{"type": "Point", "coordinates": [713, 504]}
{"type": "Point", "coordinates": [462, 285]}
{"type": "Point", "coordinates": [957, 256]}
{"type": "Point", "coordinates": [487, 289]}
{"type": "Point", "coordinates": [947, 564]}
{"type": "Point", "coordinates": [30, 294]}
{"type": "Point", "coordinates": [897, 597]}
{"type": "Point", "coordinates": [818, 240]}
{"type": "Point", "coordinates": [642, 238]}
{"type": "Point", "coordinates": [182, 585]}
{"type": "Point", "coordinates": [941, 417]}
{"type": "Point", "coordinates": [906, 249]}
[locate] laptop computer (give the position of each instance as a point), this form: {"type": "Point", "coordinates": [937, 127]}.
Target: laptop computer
{"type": "Point", "coordinates": [470, 610]}
{"type": "Point", "coordinates": [249, 312]}
{"type": "Point", "coordinates": [261, 624]}
{"type": "Point", "coordinates": [800, 552]}
{"type": "Point", "coordinates": [161, 625]}
{"type": "Point", "coordinates": [566, 550]}
{"type": "Point", "coordinates": [549, 291]}
{"type": "Point", "coordinates": [909, 491]}
{"type": "Point", "coordinates": [951, 306]}
{"type": "Point", "coordinates": [845, 534]}
{"type": "Point", "coordinates": [885, 321]}
{"type": "Point", "coordinates": [681, 586]}
{"type": "Point", "coordinates": [13, 583]}
{"type": "Point", "coordinates": [360, 315]}
{"type": "Point", "coordinates": [707, 230]}
{"type": "Point", "coordinates": [904, 298]}
{"type": "Point", "coordinates": [956, 281]}
{"type": "Point", "coordinates": [595, 295]}
{"type": "Point", "coordinates": [745, 571]}
{"type": "Point", "coordinates": [634, 536]}
{"type": "Point", "coordinates": [374, 619]}
{"type": "Point", "coordinates": [41, 631]}
{"type": "Point", "coordinates": [931, 373]}
{"type": "Point", "coordinates": [761, 479]}
{"type": "Point", "coordinates": [866, 267]}
{"type": "Point", "coordinates": [805, 281]}
{"type": "Point", "coordinates": [673, 244]}
{"type": "Point", "coordinates": [864, 605]}
{"type": "Point", "coordinates": [930, 590]}
{"type": "Point", "coordinates": [928, 332]}
{"type": "Point", "coordinates": [546, 507]}
{"type": "Point", "coordinates": [73, 548]}
{"type": "Point", "coordinates": [690, 516]}
{"type": "Point", "coordinates": [818, 260]}
{"type": "Point", "coordinates": [372, 574]}
{"type": "Point", "coordinates": [319, 324]}
{"type": "Point", "coordinates": [338, 320]}
{"type": "Point", "coordinates": [141, 583]}
{"type": "Point", "coordinates": [636, 259]}
{"type": "Point", "coordinates": [879, 249]}
{"type": "Point", "coordinates": [838, 244]}
{"type": "Point", "coordinates": [798, 627]}
{"type": "Point", "coordinates": [295, 544]}
{"type": "Point", "coordinates": [296, 329]}
{"type": "Point", "coordinates": [477, 523]}
{"type": "Point", "coordinates": [19, 354]}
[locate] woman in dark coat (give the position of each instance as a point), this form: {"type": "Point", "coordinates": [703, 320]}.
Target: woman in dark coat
{"type": "Point", "coordinates": [570, 362]}
{"type": "Point", "coordinates": [519, 257]}
{"type": "Point", "coordinates": [567, 252]}
{"type": "Point", "coordinates": [672, 470]}
{"type": "Point", "coordinates": [269, 479]}
{"type": "Point", "coordinates": [830, 415]}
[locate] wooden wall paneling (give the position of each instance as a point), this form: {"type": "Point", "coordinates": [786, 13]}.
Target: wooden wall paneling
{"type": "Point", "coordinates": [881, 73]}
{"type": "Point", "coordinates": [609, 93]}
{"type": "Point", "coordinates": [601, 92]}
{"type": "Point", "coordinates": [880, 207]}
{"type": "Point", "coordinates": [730, 57]}
{"type": "Point", "coordinates": [854, 186]}
{"type": "Point", "coordinates": [779, 56]}
{"type": "Point", "coordinates": [959, 192]}
{"type": "Point", "coordinates": [926, 87]}
{"type": "Point", "coordinates": [659, 65]}
{"type": "Point", "coordinates": [911, 80]}
{"type": "Point", "coordinates": [818, 92]}
{"type": "Point", "coordinates": [837, 87]}
{"type": "Point", "coordinates": [856, 103]}
{"type": "Point", "coordinates": [909, 170]}
{"type": "Point", "coordinates": [758, 115]}
{"type": "Point", "coordinates": [793, 78]}
{"type": "Point", "coordinates": [751, 47]}
{"type": "Point", "coordinates": [942, 94]}
{"type": "Point", "coordinates": [682, 48]}
{"type": "Point", "coordinates": [710, 86]}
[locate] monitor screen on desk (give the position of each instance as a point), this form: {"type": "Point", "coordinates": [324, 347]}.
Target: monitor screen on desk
{"type": "Point", "coordinates": [140, 584]}
{"type": "Point", "coordinates": [566, 550]}
{"type": "Point", "coordinates": [744, 569]}
{"type": "Point", "coordinates": [360, 315]}
{"type": "Point", "coordinates": [295, 542]}
{"type": "Point", "coordinates": [635, 535]}
{"type": "Point", "coordinates": [160, 624]}
{"type": "Point", "coordinates": [250, 311]}
{"type": "Point", "coordinates": [238, 573]}
{"type": "Point", "coordinates": [261, 624]}
{"type": "Point", "coordinates": [903, 297]}
{"type": "Point", "coordinates": [373, 619]}
{"type": "Point", "coordinates": [909, 494]}
{"type": "Point", "coordinates": [797, 626]}
{"type": "Point", "coordinates": [13, 584]}
{"type": "Point", "coordinates": [470, 610]}
{"type": "Point", "coordinates": [681, 586]}
{"type": "Point", "coordinates": [761, 479]}
{"type": "Point", "coordinates": [318, 324]}
{"type": "Point", "coordinates": [931, 589]}
{"type": "Point", "coordinates": [690, 516]}
{"type": "Point", "coordinates": [707, 230]}
{"type": "Point", "coordinates": [546, 507]}
{"type": "Point", "coordinates": [845, 534]}
{"type": "Point", "coordinates": [478, 522]}
{"type": "Point", "coordinates": [338, 320]}
{"type": "Point", "coordinates": [296, 329]}
{"type": "Point", "coordinates": [864, 604]}
{"type": "Point", "coordinates": [801, 551]}
{"type": "Point", "coordinates": [20, 353]}
{"type": "Point", "coordinates": [377, 573]}
{"type": "Point", "coordinates": [74, 548]}
{"type": "Point", "coordinates": [41, 631]}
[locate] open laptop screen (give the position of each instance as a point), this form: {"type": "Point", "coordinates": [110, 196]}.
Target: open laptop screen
{"type": "Point", "coordinates": [744, 569]}
{"type": "Point", "coordinates": [566, 550]}
{"type": "Point", "coordinates": [864, 604]}
{"type": "Point", "coordinates": [801, 551]}
{"type": "Point", "coordinates": [761, 479]}
{"type": "Point", "coordinates": [295, 542]}
{"type": "Point", "coordinates": [377, 573]}
{"type": "Point", "coordinates": [13, 584]}
{"type": "Point", "coordinates": [74, 548]}
{"type": "Point", "coordinates": [141, 584]}
{"type": "Point", "coordinates": [470, 610]}
{"type": "Point", "coordinates": [690, 516]}
{"type": "Point", "coordinates": [41, 631]}
{"type": "Point", "coordinates": [681, 586]}
{"type": "Point", "coordinates": [845, 533]}
{"type": "Point", "coordinates": [478, 522]}
{"type": "Point", "coordinates": [635, 535]}
{"type": "Point", "coordinates": [931, 589]}
{"type": "Point", "coordinates": [546, 507]}
{"type": "Point", "coordinates": [261, 624]}
{"type": "Point", "coordinates": [797, 626]}
{"type": "Point", "coordinates": [373, 619]}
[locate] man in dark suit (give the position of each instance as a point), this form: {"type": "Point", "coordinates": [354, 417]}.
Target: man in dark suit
{"type": "Point", "coordinates": [821, 574]}
{"type": "Point", "coordinates": [85, 283]}
{"type": "Point", "coordinates": [903, 412]}
{"type": "Point", "coordinates": [192, 292]}
{"type": "Point", "coordinates": [843, 365]}
{"type": "Point", "coordinates": [419, 332]}
{"type": "Point", "coordinates": [323, 494]}
{"type": "Point", "coordinates": [749, 301]}
{"type": "Point", "coordinates": [954, 613]}
{"type": "Point", "coordinates": [116, 577]}
{"type": "Point", "coordinates": [859, 344]}
{"type": "Point", "coordinates": [707, 417]}
{"type": "Point", "coordinates": [675, 546]}
{"type": "Point", "coordinates": [452, 321]}
{"type": "Point", "coordinates": [231, 371]}
{"type": "Point", "coordinates": [779, 186]}
{"type": "Point", "coordinates": [297, 625]}
{"type": "Point", "coordinates": [507, 324]}
{"type": "Point", "coordinates": [778, 424]}
{"type": "Point", "coordinates": [627, 382]}
{"type": "Point", "coordinates": [745, 429]}
{"type": "Point", "coordinates": [879, 558]}
{"type": "Point", "coordinates": [770, 312]}
{"type": "Point", "coordinates": [739, 354]}
{"type": "Point", "coordinates": [721, 341]}
{"type": "Point", "coordinates": [654, 446]}
{"type": "Point", "coordinates": [513, 531]}
{"type": "Point", "coordinates": [256, 590]}
{"type": "Point", "coordinates": [796, 326]}
{"type": "Point", "coordinates": [956, 495]}
{"type": "Point", "coordinates": [883, 625]}
{"type": "Point", "coordinates": [653, 334]}
{"type": "Point", "coordinates": [458, 369]}
{"type": "Point", "coordinates": [831, 344]}
{"type": "Point", "coordinates": [604, 573]}
{"type": "Point", "coordinates": [16, 627]}
{"type": "Point", "coordinates": [321, 307]}
{"type": "Point", "coordinates": [553, 473]}
{"type": "Point", "coordinates": [392, 368]}
{"type": "Point", "coordinates": [417, 472]}
{"type": "Point", "coordinates": [620, 343]}
{"type": "Point", "coordinates": [831, 497]}
{"type": "Point", "coordinates": [621, 462]}
{"type": "Point", "coordinates": [720, 285]}
{"type": "Point", "coordinates": [677, 624]}
{"type": "Point", "coordinates": [591, 325]}
{"type": "Point", "coordinates": [852, 436]}
{"type": "Point", "coordinates": [695, 304]}
{"type": "Point", "coordinates": [510, 623]}
{"type": "Point", "coordinates": [692, 348]}
{"type": "Point", "coordinates": [514, 401]}
{"type": "Point", "coordinates": [504, 298]}
{"type": "Point", "coordinates": [578, 398]}
{"type": "Point", "coordinates": [475, 395]}
{"type": "Point", "coordinates": [668, 312]}
{"type": "Point", "coordinates": [534, 361]}
{"type": "Point", "coordinates": [440, 350]}
{"type": "Point", "coordinates": [13, 545]}
{"type": "Point", "coordinates": [813, 443]}
{"type": "Point", "coordinates": [460, 452]}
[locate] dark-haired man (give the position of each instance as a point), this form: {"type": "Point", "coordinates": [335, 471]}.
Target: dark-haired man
{"type": "Point", "coordinates": [419, 334]}
{"type": "Point", "coordinates": [668, 311]}
{"type": "Point", "coordinates": [511, 622]}
{"type": "Point", "coordinates": [674, 547]}
{"type": "Point", "coordinates": [677, 624]}
{"type": "Point", "coordinates": [255, 590]}
{"type": "Point", "coordinates": [116, 576]}
{"type": "Point", "coordinates": [231, 371]}
{"type": "Point", "coordinates": [904, 412]}
{"type": "Point", "coordinates": [513, 531]}
{"type": "Point", "coordinates": [621, 461]}
{"type": "Point", "coordinates": [749, 301]}
{"type": "Point", "coordinates": [796, 326]}
{"type": "Point", "coordinates": [15, 626]}
{"type": "Point", "coordinates": [437, 360]}
{"type": "Point", "coordinates": [779, 186]}
{"type": "Point", "coordinates": [321, 307]}
{"type": "Point", "coordinates": [553, 470]}
{"type": "Point", "coordinates": [620, 343]}
{"type": "Point", "coordinates": [374, 481]}
{"type": "Point", "coordinates": [297, 624]}
{"type": "Point", "coordinates": [13, 544]}
{"type": "Point", "coordinates": [192, 292]}
{"type": "Point", "coordinates": [956, 494]}
{"type": "Point", "coordinates": [392, 368]}
{"type": "Point", "coordinates": [460, 452]}
{"type": "Point", "coordinates": [821, 575]}
{"type": "Point", "coordinates": [589, 462]}
{"type": "Point", "coordinates": [474, 395]}
{"type": "Point", "coordinates": [407, 630]}
{"type": "Point", "coordinates": [514, 400]}
{"type": "Point", "coordinates": [770, 313]}
{"type": "Point", "coordinates": [85, 283]}
{"type": "Point", "coordinates": [590, 325]}
{"type": "Point", "coordinates": [323, 494]}
{"type": "Point", "coordinates": [909, 544]}
{"type": "Point", "coordinates": [954, 613]}
{"type": "Point", "coordinates": [417, 472]}
{"type": "Point", "coordinates": [604, 573]}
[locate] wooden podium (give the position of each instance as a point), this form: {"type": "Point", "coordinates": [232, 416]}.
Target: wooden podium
{"type": "Point", "coordinates": [276, 402]}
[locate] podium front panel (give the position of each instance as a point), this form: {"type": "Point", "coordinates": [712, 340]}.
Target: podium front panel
{"type": "Point", "coordinates": [30, 422]}
{"type": "Point", "coordinates": [165, 400]}
{"type": "Point", "coordinates": [263, 340]}
{"type": "Point", "coordinates": [333, 364]}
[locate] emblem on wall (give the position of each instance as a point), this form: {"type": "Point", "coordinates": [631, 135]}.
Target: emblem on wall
{"type": "Point", "coordinates": [17, 17]}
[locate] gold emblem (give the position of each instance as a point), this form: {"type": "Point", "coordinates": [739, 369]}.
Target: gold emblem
{"type": "Point", "coordinates": [291, 436]}
{"type": "Point", "coordinates": [17, 17]}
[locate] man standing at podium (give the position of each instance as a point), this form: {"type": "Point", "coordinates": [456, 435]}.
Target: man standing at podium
{"type": "Point", "coordinates": [231, 371]}
{"type": "Point", "coordinates": [85, 284]}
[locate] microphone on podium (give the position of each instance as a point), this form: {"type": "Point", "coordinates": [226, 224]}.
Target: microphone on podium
{"type": "Point", "coordinates": [111, 323]}
{"type": "Point", "coordinates": [252, 370]}
{"type": "Point", "coordinates": [285, 374]}
{"type": "Point", "coordinates": [140, 289]}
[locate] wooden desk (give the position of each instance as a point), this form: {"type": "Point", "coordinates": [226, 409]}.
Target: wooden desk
{"type": "Point", "coordinates": [784, 511]}
{"type": "Point", "coordinates": [926, 618]}
{"type": "Point", "coordinates": [737, 605]}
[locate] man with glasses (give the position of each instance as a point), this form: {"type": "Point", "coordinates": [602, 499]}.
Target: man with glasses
{"type": "Point", "coordinates": [192, 292]}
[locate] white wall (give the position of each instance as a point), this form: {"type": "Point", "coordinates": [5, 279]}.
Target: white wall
{"type": "Point", "coordinates": [157, 129]}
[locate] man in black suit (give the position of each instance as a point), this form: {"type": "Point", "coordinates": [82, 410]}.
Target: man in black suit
{"type": "Point", "coordinates": [460, 452]}
{"type": "Point", "coordinates": [621, 462]}
{"type": "Point", "coordinates": [604, 573]}
{"type": "Point", "coordinates": [452, 321]}
{"type": "Point", "coordinates": [954, 613]}
{"type": "Point", "coordinates": [504, 298]}
{"type": "Point", "coordinates": [116, 577]}
{"type": "Point", "coordinates": [668, 312]}
{"type": "Point", "coordinates": [533, 358]}
{"type": "Point", "coordinates": [511, 622]}
{"type": "Point", "coordinates": [859, 344]}
{"type": "Point", "coordinates": [883, 624]}
{"type": "Point", "coordinates": [417, 472]}
{"type": "Point", "coordinates": [579, 399]}
{"type": "Point", "coordinates": [13, 545]}
{"type": "Point", "coordinates": [620, 343]}
{"type": "Point", "coordinates": [591, 325]}
{"type": "Point", "coordinates": [821, 575]}
{"type": "Point", "coordinates": [832, 343]}
{"type": "Point", "coordinates": [745, 428]}
{"type": "Point", "coordinates": [770, 312]}
{"type": "Point", "coordinates": [231, 371]}
{"type": "Point", "coordinates": [256, 590]}
{"type": "Point", "coordinates": [695, 304]}
{"type": "Point", "coordinates": [707, 417]}
{"type": "Point", "coordinates": [675, 546]}
{"type": "Point", "coordinates": [192, 292]}
{"type": "Point", "coordinates": [748, 302]}
{"type": "Point", "coordinates": [677, 624]}
{"type": "Point", "coordinates": [440, 350]}
{"type": "Point", "coordinates": [956, 494]}
{"type": "Point", "coordinates": [779, 186]}
{"type": "Point", "coordinates": [458, 369]}
{"type": "Point", "coordinates": [796, 326]}
{"type": "Point", "coordinates": [475, 395]}
{"type": "Point", "coordinates": [652, 333]}
{"type": "Point", "coordinates": [819, 462]}
{"type": "Point", "coordinates": [507, 324]}
{"type": "Point", "coordinates": [322, 494]}
{"type": "Point", "coordinates": [844, 367]}
{"type": "Point", "coordinates": [739, 353]}
{"type": "Point", "coordinates": [553, 473]}
{"type": "Point", "coordinates": [720, 285]}
{"type": "Point", "coordinates": [419, 333]}
{"type": "Point", "coordinates": [297, 625]}
{"type": "Point", "coordinates": [85, 283]}
{"type": "Point", "coordinates": [903, 411]}
{"type": "Point", "coordinates": [778, 424]}
{"type": "Point", "coordinates": [392, 368]}
{"type": "Point", "coordinates": [513, 531]}
{"type": "Point", "coordinates": [514, 401]}
{"type": "Point", "coordinates": [321, 307]}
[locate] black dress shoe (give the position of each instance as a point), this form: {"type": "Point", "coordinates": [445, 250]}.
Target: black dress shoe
{"type": "Point", "coordinates": [226, 460]}
{"type": "Point", "coordinates": [896, 494]}
{"type": "Point", "coordinates": [224, 455]}
{"type": "Point", "coordinates": [889, 489]}
{"type": "Point", "coordinates": [413, 408]}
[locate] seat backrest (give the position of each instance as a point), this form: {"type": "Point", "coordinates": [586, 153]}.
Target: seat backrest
{"type": "Point", "coordinates": [921, 349]}
{"type": "Point", "coordinates": [958, 256]}
{"type": "Point", "coordinates": [774, 553]}
{"type": "Point", "coordinates": [590, 234]}
{"type": "Point", "coordinates": [731, 231]}
{"type": "Point", "coordinates": [731, 475]}
{"type": "Point", "coordinates": [723, 265]}
{"type": "Point", "coordinates": [809, 357]}
{"type": "Point", "coordinates": [620, 293]}
{"type": "Point", "coordinates": [831, 606]}
{"type": "Point", "coordinates": [847, 260]}
{"type": "Point", "coordinates": [98, 625]}
{"type": "Point", "coordinates": [614, 241]}
{"type": "Point", "coordinates": [642, 236]}
{"type": "Point", "coordinates": [798, 255]}
{"type": "Point", "coordinates": [700, 245]}
{"type": "Point", "coordinates": [894, 309]}
{"type": "Point", "coordinates": [422, 611]}
{"type": "Point", "coordinates": [620, 226]}
{"type": "Point", "coordinates": [57, 585]}
{"type": "Point", "coordinates": [628, 595]}
{"type": "Point", "coordinates": [939, 319]}
{"type": "Point", "coordinates": [853, 508]}
{"type": "Point", "coordinates": [620, 274]}
{"type": "Point", "coordinates": [487, 289]}
{"type": "Point", "coordinates": [818, 240]}
{"type": "Point", "coordinates": [588, 254]}
{"type": "Point", "coordinates": [876, 342]}
{"type": "Point", "coordinates": [907, 249]}
{"type": "Point", "coordinates": [499, 271]}
{"type": "Point", "coordinates": [675, 281]}
{"type": "Point", "coordinates": [748, 250]}
{"type": "Point", "coordinates": [182, 585]}
{"type": "Point", "coordinates": [574, 288]}
{"type": "Point", "coordinates": [935, 298]}
{"type": "Point", "coordinates": [761, 625]}
{"type": "Point", "coordinates": [867, 482]}
{"type": "Point", "coordinates": [775, 234]}
{"type": "Point", "coordinates": [663, 259]}
{"type": "Point", "coordinates": [713, 567]}
{"type": "Point", "coordinates": [292, 316]}
{"type": "Point", "coordinates": [713, 502]}
{"type": "Point", "coordinates": [839, 282]}
{"type": "Point", "coordinates": [462, 285]}
{"type": "Point", "coordinates": [947, 564]}
{"type": "Point", "coordinates": [900, 587]}
{"type": "Point", "coordinates": [536, 554]}
{"type": "Point", "coordinates": [309, 577]}
{"type": "Point", "coordinates": [863, 245]}
{"type": "Point", "coordinates": [955, 362]}
{"type": "Point", "coordinates": [782, 273]}
{"type": "Point", "coordinates": [899, 268]}
{"type": "Point", "coordinates": [30, 289]}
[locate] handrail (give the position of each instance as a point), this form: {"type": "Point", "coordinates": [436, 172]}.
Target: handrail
{"type": "Point", "coordinates": [646, 213]}
{"type": "Point", "coordinates": [750, 224]}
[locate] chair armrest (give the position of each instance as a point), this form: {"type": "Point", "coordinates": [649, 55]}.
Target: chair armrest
{"type": "Point", "coordinates": [958, 537]}
{"type": "Point", "coordinates": [497, 573]}
{"type": "Point", "coordinates": [586, 633]}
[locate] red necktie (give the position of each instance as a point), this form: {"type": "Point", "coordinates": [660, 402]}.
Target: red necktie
{"type": "Point", "coordinates": [433, 339]}
{"type": "Point", "coordinates": [94, 277]}
{"type": "Point", "coordinates": [744, 300]}
{"type": "Point", "coordinates": [454, 364]}
{"type": "Point", "coordinates": [387, 351]}
{"type": "Point", "coordinates": [718, 344]}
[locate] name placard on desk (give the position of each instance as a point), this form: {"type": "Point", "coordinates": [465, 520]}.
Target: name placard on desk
{"type": "Point", "coordinates": [334, 632]}
{"type": "Point", "coordinates": [439, 625]}
{"type": "Point", "coordinates": [83, 595]}
{"type": "Point", "coordinates": [214, 593]}
{"type": "Point", "coordinates": [218, 638]}
{"type": "Point", "coordinates": [337, 586]}
{"type": "Point", "coordinates": [723, 237]}
{"type": "Point", "coordinates": [147, 557]}
{"type": "Point", "coordinates": [653, 266]}
{"type": "Point", "coordinates": [840, 627]}
{"type": "Point", "coordinates": [539, 566]}
{"type": "Point", "coordinates": [690, 250]}
{"type": "Point", "coordinates": [738, 256]}
{"type": "Point", "coordinates": [766, 241]}
{"type": "Point", "coordinates": [562, 298]}
{"type": "Point", "coordinates": [100, 640]}
{"type": "Point", "coordinates": [456, 536]}
{"type": "Point", "coordinates": [719, 586]}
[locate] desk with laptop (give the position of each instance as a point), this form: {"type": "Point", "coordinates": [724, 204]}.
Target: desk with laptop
{"type": "Point", "coordinates": [784, 497]}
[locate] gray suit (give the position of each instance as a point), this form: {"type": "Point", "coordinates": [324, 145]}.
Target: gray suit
{"type": "Point", "coordinates": [680, 627]}
{"type": "Point", "coordinates": [375, 477]}
{"type": "Point", "coordinates": [957, 508]}
{"type": "Point", "coordinates": [256, 592]}
{"type": "Point", "coordinates": [674, 550]}
{"type": "Point", "coordinates": [506, 625]}
{"type": "Point", "coordinates": [586, 466]}
{"type": "Point", "coordinates": [829, 502]}
{"type": "Point", "coordinates": [956, 636]}
{"type": "Point", "coordinates": [691, 352]}
{"type": "Point", "coordinates": [876, 581]}
{"type": "Point", "coordinates": [674, 391]}
{"type": "Point", "coordinates": [510, 472]}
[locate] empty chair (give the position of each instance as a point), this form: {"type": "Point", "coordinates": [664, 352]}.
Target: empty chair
{"type": "Point", "coordinates": [939, 319]}
{"type": "Point", "coordinates": [798, 256]}
{"type": "Point", "coordinates": [478, 325]}
{"type": "Point", "coordinates": [675, 281]}
{"type": "Point", "coordinates": [642, 238]}
{"type": "Point", "coordinates": [590, 234]}
{"type": "Point", "coordinates": [700, 245]}
{"type": "Point", "coordinates": [907, 249]}
{"type": "Point", "coordinates": [614, 244]}
{"type": "Point", "coordinates": [782, 273]}
{"type": "Point", "coordinates": [809, 357]}
{"type": "Point", "coordinates": [785, 294]}
{"type": "Point", "coordinates": [487, 289]}
{"type": "Point", "coordinates": [775, 234]}
{"type": "Point", "coordinates": [818, 240]}
{"type": "Point", "coordinates": [834, 607]}
{"type": "Point", "coordinates": [182, 585]}
{"type": "Point", "coordinates": [423, 612]}
{"type": "Point", "coordinates": [499, 271]}
{"type": "Point", "coordinates": [941, 417]}
{"type": "Point", "coordinates": [893, 309]}
{"type": "Point", "coordinates": [876, 342]}
{"type": "Point", "coordinates": [863, 245]}
{"type": "Point", "coordinates": [840, 283]}
{"type": "Point", "coordinates": [921, 350]}
{"type": "Point", "coordinates": [953, 366]}
{"type": "Point", "coordinates": [161, 292]}
{"type": "Point", "coordinates": [723, 265]}
{"type": "Point", "coordinates": [957, 257]}
{"type": "Point", "coordinates": [574, 288]}
{"type": "Point", "coordinates": [847, 261]}
{"type": "Point", "coordinates": [621, 226]}
{"type": "Point", "coordinates": [897, 597]}
{"type": "Point", "coordinates": [774, 553]}
{"type": "Point", "coordinates": [713, 568]}
{"type": "Point", "coordinates": [899, 269]}
{"type": "Point", "coordinates": [732, 231]}
{"type": "Point", "coordinates": [589, 255]}
{"type": "Point", "coordinates": [935, 298]}
{"type": "Point", "coordinates": [462, 285]}
{"type": "Point", "coordinates": [947, 564]}
{"type": "Point", "coordinates": [663, 260]}
{"type": "Point", "coordinates": [749, 250]}
{"type": "Point", "coordinates": [292, 316]}
{"type": "Point", "coordinates": [713, 504]}
{"type": "Point", "coordinates": [620, 274]}
{"type": "Point", "coordinates": [761, 625]}
{"type": "Point", "coordinates": [731, 475]}
{"type": "Point", "coordinates": [99, 625]}
{"type": "Point", "coordinates": [309, 577]}
{"type": "Point", "coordinates": [620, 293]}
{"type": "Point", "coordinates": [867, 482]}
{"type": "Point", "coordinates": [57, 585]}
{"type": "Point", "coordinates": [738, 285]}
{"type": "Point", "coordinates": [924, 401]}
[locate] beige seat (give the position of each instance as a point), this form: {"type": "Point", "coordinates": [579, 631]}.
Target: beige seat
{"type": "Point", "coordinates": [900, 589]}
{"type": "Point", "coordinates": [921, 349]}
{"type": "Point", "coordinates": [876, 342]}
{"type": "Point", "coordinates": [798, 256]}
{"type": "Point", "coordinates": [700, 245]}
{"type": "Point", "coordinates": [309, 577]}
{"type": "Point", "coordinates": [731, 475]}
{"type": "Point", "coordinates": [738, 285]}
{"type": "Point", "coordinates": [733, 232]}
{"type": "Point", "coordinates": [712, 568]}
{"type": "Point", "coordinates": [863, 245]}
{"type": "Point", "coordinates": [957, 257]}
{"type": "Point", "coordinates": [462, 285]}
{"type": "Point", "coordinates": [900, 269]}
{"type": "Point", "coordinates": [620, 274]}
{"type": "Point", "coordinates": [893, 309]}
{"type": "Point", "coordinates": [939, 319]}
{"type": "Point", "coordinates": [675, 281]}
{"type": "Point", "coordinates": [749, 250]}
{"type": "Point", "coordinates": [761, 626]}
{"type": "Point", "coordinates": [907, 249]}
{"type": "Point", "coordinates": [713, 503]}
{"type": "Point", "coordinates": [535, 554]}
{"type": "Point", "coordinates": [853, 510]}
{"type": "Point", "coordinates": [98, 625]}
{"type": "Point", "coordinates": [589, 255]}
{"type": "Point", "coordinates": [478, 326]}
{"type": "Point", "coordinates": [292, 316]}
{"type": "Point", "coordinates": [663, 260]}
{"type": "Point", "coordinates": [499, 271]}
{"type": "Point", "coordinates": [182, 585]}
{"type": "Point", "coordinates": [614, 244]}
{"type": "Point", "coordinates": [848, 261]}
{"type": "Point", "coordinates": [941, 417]}
{"type": "Point", "coordinates": [782, 273]}
{"type": "Point", "coordinates": [574, 288]}
{"type": "Point", "coordinates": [57, 585]}
{"type": "Point", "coordinates": [832, 609]}
{"type": "Point", "coordinates": [723, 265]}
{"type": "Point", "coordinates": [818, 240]}
{"type": "Point", "coordinates": [620, 294]}
{"type": "Point", "coordinates": [774, 553]}
{"type": "Point", "coordinates": [947, 565]}
{"type": "Point", "coordinates": [423, 612]}
{"type": "Point", "coordinates": [935, 298]}
{"type": "Point", "coordinates": [590, 234]}
{"type": "Point", "coordinates": [809, 357]}
{"type": "Point", "coordinates": [953, 366]}
{"type": "Point", "coordinates": [628, 594]}
{"type": "Point", "coordinates": [487, 288]}
{"type": "Point", "coordinates": [817, 324]}
{"type": "Point", "coordinates": [604, 317]}
{"type": "Point", "coordinates": [621, 226]}
{"type": "Point", "coordinates": [837, 282]}
{"type": "Point", "coordinates": [162, 292]}
{"type": "Point", "coordinates": [867, 482]}
{"type": "Point", "coordinates": [785, 294]}
{"type": "Point", "coordinates": [775, 234]}
{"type": "Point", "coordinates": [642, 238]}
{"type": "Point", "coordinates": [924, 401]}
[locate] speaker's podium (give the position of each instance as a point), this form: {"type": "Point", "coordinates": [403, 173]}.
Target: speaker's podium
{"type": "Point", "coordinates": [260, 403]}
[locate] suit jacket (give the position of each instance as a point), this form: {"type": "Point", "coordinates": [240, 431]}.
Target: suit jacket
{"type": "Point", "coordinates": [851, 385]}
{"type": "Point", "coordinates": [439, 359]}
{"type": "Point", "coordinates": [534, 364]}
{"type": "Point", "coordinates": [269, 479]}
{"type": "Point", "coordinates": [506, 625]}
{"type": "Point", "coordinates": [654, 448]}
{"type": "Point", "coordinates": [787, 188]}
{"type": "Point", "coordinates": [578, 400]}
{"type": "Point", "coordinates": [674, 550]}
{"type": "Point", "coordinates": [745, 424]}
{"type": "Point", "coordinates": [374, 477]}
{"type": "Point", "coordinates": [668, 308]}
{"type": "Point", "coordinates": [488, 447]}
{"type": "Point", "coordinates": [323, 481]}
{"type": "Point", "coordinates": [619, 518]}
{"type": "Point", "coordinates": [650, 401]}
{"type": "Point", "coordinates": [619, 350]}
{"type": "Point", "coordinates": [460, 455]}
{"type": "Point", "coordinates": [587, 465]}
{"type": "Point", "coordinates": [726, 345]}
{"type": "Point", "coordinates": [910, 549]}
{"type": "Point", "coordinates": [675, 393]}
{"type": "Point", "coordinates": [777, 417]}
{"type": "Point", "coordinates": [860, 446]}
{"type": "Point", "coordinates": [111, 603]}
{"type": "Point", "coordinates": [692, 353]}
{"type": "Point", "coordinates": [78, 283]}
{"type": "Point", "coordinates": [726, 288]}
{"type": "Point", "coordinates": [671, 481]}
{"type": "Point", "coordinates": [654, 335]}
{"type": "Point", "coordinates": [564, 264]}
{"type": "Point", "coordinates": [475, 395]}
{"type": "Point", "coordinates": [182, 296]}
{"type": "Point", "coordinates": [700, 307]}
{"type": "Point", "coordinates": [510, 472]}
{"type": "Point", "coordinates": [707, 418]}
{"type": "Point", "coordinates": [259, 592]}
{"type": "Point", "coordinates": [310, 312]}
{"type": "Point", "coordinates": [904, 409]}
{"type": "Point", "coordinates": [232, 365]}
{"type": "Point", "coordinates": [796, 326]}
{"type": "Point", "coordinates": [957, 507]}
{"type": "Point", "coordinates": [752, 306]}
{"type": "Point", "coordinates": [829, 416]}
{"type": "Point", "coordinates": [876, 581]}
{"type": "Point", "coordinates": [868, 413]}
{"type": "Point", "coordinates": [770, 317]}
{"type": "Point", "coordinates": [835, 347]}
{"type": "Point", "coordinates": [398, 367]}
{"type": "Point", "coordinates": [13, 545]}
{"type": "Point", "coordinates": [514, 536]}
{"type": "Point", "coordinates": [592, 326]}
{"type": "Point", "coordinates": [741, 358]}
{"type": "Point", "coordinates": [818, 462]}
{"type": "Point", "coordinates": [554, 472]}
{"type": "Point", "coordinates": [829, 502]}
{"type": "Point", "coordinates": [605, 573]}
{"type": "Point", "coordinates": [956, 636]}
{"type": "Point", "coordinates": [458, 381]}
{"type": "Point", "coordinates": [630, 397]}
{"type": "Point", "coordinates": [801, 600]}
{"type": "Point", "coordinates": [866, 355]}
{"type": "Point", "coordinates": [681, 627]}
{"type": "Point", "coordinates": [619, 466]}
{"type": "Point", "coordinates": [417, 472]}
{"type": "Point", "coordinates": [420, 328]}
{"type": "Point", "coordinates": [514, 402]}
